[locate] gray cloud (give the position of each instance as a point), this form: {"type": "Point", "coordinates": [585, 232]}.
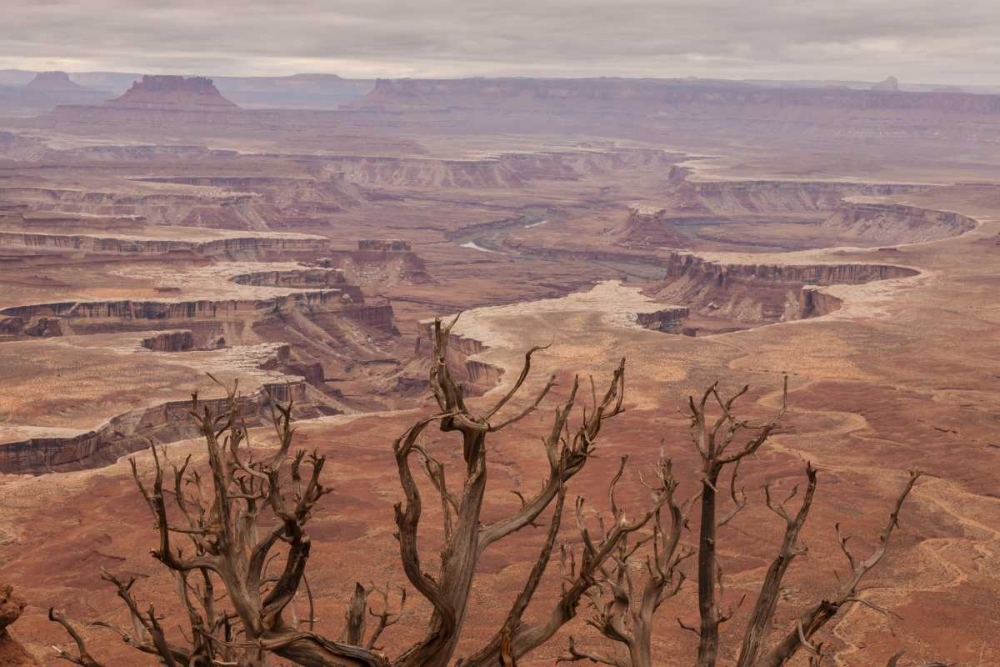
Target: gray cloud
{"type": "Point", "coordinates": [917, 40]}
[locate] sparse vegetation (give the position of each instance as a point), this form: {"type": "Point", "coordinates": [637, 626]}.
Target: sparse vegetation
{"type": "Point", "coordinates": [235, 538]}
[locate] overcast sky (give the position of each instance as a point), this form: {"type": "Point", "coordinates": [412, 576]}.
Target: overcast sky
{"type": "Point", "coordinates": [919, 41]}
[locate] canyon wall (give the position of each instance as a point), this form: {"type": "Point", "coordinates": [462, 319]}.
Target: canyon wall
{"type": "Point", "coordinates": [897, 223]}
{"type": "Point", "coordinates": [161, 424]}
{"type": "Point", "coordinates": [509, 170]}
{"type": "Point", "coordinates": [240, 309]}
{"type": "Point", "coordinates": [773, 197]}
{"type": "Point", "coordinates": [170, 341]}
{"type": "Point", "coordinates": [378, 261]}
{"type": "Point", "coordinates": [475, 376]}
{"type": "Point", "coordinates": [375, 315]}
{"type": "Point", "coordinates": [52, 319]}
{"type": "Point", "coordinates": [694, 210]}
{"type": "Point", "coordinates": [732, 296]}
{"type": "Point", "coordinates": [294, 278]}
{"type": "Point", "coordinates": [690, 266]}
{"type": "Point", "coordinates": [232, 248]}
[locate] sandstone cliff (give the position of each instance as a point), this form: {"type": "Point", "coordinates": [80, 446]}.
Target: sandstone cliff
{"type": "Point", "coordinates": [294, 278]}
{"type": "Point", "coordinates": [730, 296]}
{"type": "Point", "coordinates": [161, 424]}
{"type": "Point", "coordinates": [170, 341]}
{"type": "Point", "coordinates": [509, 170]}
{"type": "Point", "coordinates": [360, 267]}
{"type": "Point", "coordinates": [179, 310]}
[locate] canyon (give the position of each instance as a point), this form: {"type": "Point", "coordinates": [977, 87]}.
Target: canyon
{"type": "Point", "coordinates": [179, 235]}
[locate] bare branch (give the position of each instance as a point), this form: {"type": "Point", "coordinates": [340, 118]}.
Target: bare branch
{"type": "Point", "coordinates": [82, 658]}
{"type": "Point", "coordinates": [813, 619]}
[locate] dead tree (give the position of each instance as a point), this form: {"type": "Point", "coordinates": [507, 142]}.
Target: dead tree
{"type": "Point", "coordinates": [235, 540]}
{"type": "Point", "coordinates": [466, 538]}
{"type": "Point", "coordinates": [624, 610]}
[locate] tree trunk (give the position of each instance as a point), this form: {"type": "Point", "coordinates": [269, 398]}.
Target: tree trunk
{"type": "Point", "coordinates": [708, 605]}
{"type": "Point", "coordinates": [458, 563]}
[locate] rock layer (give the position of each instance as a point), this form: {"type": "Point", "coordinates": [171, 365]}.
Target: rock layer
{"type": "Point", "coordinates": [724, 297]}
{"type": "Point", "coordinates": [161, 424]}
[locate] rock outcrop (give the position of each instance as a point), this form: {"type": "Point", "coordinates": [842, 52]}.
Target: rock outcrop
{"type": "Point", "coordinates": [170, 341]}
{"type": "Point", "coordinates": [12, 654]}
{"type": "Point", "coordinates": [654, 227]}
{"type": "Point", "coordinates": [385, 245]}
{"type": "Point", "coordinates": [173, 93]}
{"type": "Point", "coordinates": [668, 320]}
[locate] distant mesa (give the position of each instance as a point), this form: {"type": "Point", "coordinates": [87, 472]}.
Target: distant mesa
{"type": "Point", "coordinates": [173, 93]}
{"type": "Point", "coordinates": [53, 82]}
{"type": "Point", "coordinates": [891, 83]}
{"type": "Point", "coordinates": [680, 99]}
{"type": "Point", "coordinates": [46, 91]}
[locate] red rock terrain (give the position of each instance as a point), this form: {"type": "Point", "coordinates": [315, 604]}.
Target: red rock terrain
{"type": "Point", "coordinates": [844, 237]}
{"type": "Point", "coordinates": [12, 654]}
